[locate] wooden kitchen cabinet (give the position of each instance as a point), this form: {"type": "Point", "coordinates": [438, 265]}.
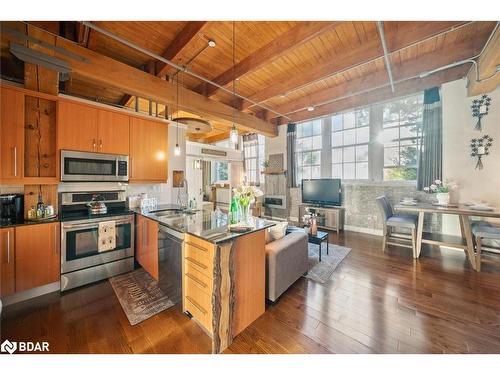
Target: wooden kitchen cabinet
{"type": "Point", "coordinates": [148, 150]}
{"type": "Point", "coordinates": [113, 132]}
{"type": "Point", "coordinates": [146, 242]}
{"type": "Point", "coordinates": [77, 127]}
{"type": "Point", "coordinates": [38, 255]}
{"type": "Point", "coordinates": [7, 261]}
{"type": "Point", "coordinates": [12, 130]}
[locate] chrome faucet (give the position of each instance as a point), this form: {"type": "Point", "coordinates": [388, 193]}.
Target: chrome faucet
{"type": "Point", "coordinates": [183, 196]}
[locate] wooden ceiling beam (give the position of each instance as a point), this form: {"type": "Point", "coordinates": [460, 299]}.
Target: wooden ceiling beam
{"type": "Point", "coordinates": [421, 64]}
{"type": "Point", "coordinates": [159, 68]}
{"type": "Point", "coordinates": [112, 73]}
{"type": "Point", "coordinates": [212, 138]}
{"type": "Point", "coordinates": [289, 40]}
{"type": "Point", "coordinates": [408, 34]}
{"type": "Point", "coordinates": [402, 88]}
{"type": "Point", "coordinates": [488, 65]}
{"type": "Point", "coordinates": [189, 31]}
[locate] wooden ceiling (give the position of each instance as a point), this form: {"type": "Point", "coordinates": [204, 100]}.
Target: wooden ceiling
{"type": "Point", "coordinates": [285, 66]}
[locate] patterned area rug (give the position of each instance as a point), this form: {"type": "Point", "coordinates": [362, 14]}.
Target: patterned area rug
{"type": "Point", "coordinates": [139, 295]}
{"type": "Point", "coordinates": [322, 271]}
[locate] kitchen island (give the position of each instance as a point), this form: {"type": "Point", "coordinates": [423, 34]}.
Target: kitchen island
{"type": "Point", "coordinates": [223, 273]}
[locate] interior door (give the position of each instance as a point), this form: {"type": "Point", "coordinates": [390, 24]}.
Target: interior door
{"type": "Point", "coordinates": [38, 258]}
{"type": "Point", "coordinates": [113, 132]}
{"type": "Point", "coordinates": [77, 127]}
{"type": "Point", "coordinates": [7, 261]}
{"type": "Point", "coordinates": [12, 130]}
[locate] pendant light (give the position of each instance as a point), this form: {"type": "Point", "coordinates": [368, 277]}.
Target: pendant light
{"type": "Point", "coordinates": [177, 150]}
{"type": "Point", "coordinates": [233, 134]}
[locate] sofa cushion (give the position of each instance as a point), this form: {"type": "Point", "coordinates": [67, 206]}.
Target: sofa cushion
{"type": "Point", "coordinates": [276, 232]}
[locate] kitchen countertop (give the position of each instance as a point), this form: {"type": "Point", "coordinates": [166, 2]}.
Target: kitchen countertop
{"type": "Point", "coordinates": [207, 225]}
{"type": "Point", "coordinates": [10, 224]}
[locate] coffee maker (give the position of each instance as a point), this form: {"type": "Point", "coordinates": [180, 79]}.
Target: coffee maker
{"type": "Point", "coordinates": [11, 209]}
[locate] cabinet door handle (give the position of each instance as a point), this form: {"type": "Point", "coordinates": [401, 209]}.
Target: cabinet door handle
{"type": "Point", "coordinates": [15, 161]}
{"type": "Point", "coordinates": [94, 143]}
{"type": "Point", "coordinates": [55, 239]}
{"type": "Point", "coordinates": [8, 246]}
{"type": "Point", "coordinates": [100, 143]}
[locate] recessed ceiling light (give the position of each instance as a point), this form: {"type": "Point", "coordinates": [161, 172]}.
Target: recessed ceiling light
{"type": "Point", "coordinates": [211, 43]}
{"type": "Point", "coordinates": [310, 108]}
{"type": "Point", "coordinates": [283, 95]}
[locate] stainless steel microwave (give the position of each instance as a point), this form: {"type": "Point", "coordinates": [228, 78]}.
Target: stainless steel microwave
{"type": "Point", "coordinates": [92, 166]}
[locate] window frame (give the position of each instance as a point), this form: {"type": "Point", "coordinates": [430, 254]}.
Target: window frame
{"type": "Point", "coordinates": [299, 154]}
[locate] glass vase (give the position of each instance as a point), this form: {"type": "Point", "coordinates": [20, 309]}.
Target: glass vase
{"type": "Point", "coordinates": [245, 217]}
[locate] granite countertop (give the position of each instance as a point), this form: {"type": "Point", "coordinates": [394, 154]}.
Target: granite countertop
{"type": "Point", "coordinates": [10, 224]}
{"type": "Point", "coordinates": [210, 226]}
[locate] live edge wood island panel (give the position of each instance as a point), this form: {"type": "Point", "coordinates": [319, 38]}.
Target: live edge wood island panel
{"type": "Point", "coordinates": [224, 285]}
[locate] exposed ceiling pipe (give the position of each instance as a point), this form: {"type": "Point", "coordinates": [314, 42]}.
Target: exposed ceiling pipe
{"type": "Point", "coordinates": [360, 92]}
{"type": "Point", "coordinates": [210, 44]}
{"type": "Point", "coordinates": [174, 65]}
{"type": "Point", "coordinates": [380, 26]}
{"type": "Point", "coordinates": [336, 73]}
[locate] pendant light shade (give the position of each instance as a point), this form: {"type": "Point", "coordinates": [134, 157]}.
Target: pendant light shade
{"type": "Point", "coordinates": [177, 150]}
{"type": "Point", "coordinates": [233, 135]}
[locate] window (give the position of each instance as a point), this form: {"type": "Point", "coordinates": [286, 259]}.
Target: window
{"type": "Point", "coordinates": [308, 150]}
{"type": "Point", "coordinates": [402, 121]}
{"type": "Point", "coordinates": [219, 171]}
{"type": "Point", "coordinates": [254, 152]}
{"type": "Point", "coordinates": [350, 138]}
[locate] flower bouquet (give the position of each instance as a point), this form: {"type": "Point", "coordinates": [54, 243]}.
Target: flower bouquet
{"type": "Point", "coordinates": [245, 195]}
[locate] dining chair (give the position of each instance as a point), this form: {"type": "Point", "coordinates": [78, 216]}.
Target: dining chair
{"type": "Point", "coordinates": [392, 221]}
{"type": "Point", "coordinates": [483, 230]}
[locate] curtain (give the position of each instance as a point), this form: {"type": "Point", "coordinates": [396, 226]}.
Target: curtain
{"type": "Point", "coordinates": [291, 135]}
{"type": "Point", "coordinates": [206, 168]}
{"type": "Point", "coordinates": [430, 162]}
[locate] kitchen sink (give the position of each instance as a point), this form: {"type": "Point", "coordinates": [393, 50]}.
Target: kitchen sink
{"type": "Point", "coordinates": [172, 212]}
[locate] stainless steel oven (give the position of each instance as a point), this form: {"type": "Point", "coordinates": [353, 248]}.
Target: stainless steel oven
{"type": "Point", "coordinates": [275, 201]}
{"type": "Point", "coordinates": [81, 261]}
{"type": "Point", "coordinates": [92, 166]}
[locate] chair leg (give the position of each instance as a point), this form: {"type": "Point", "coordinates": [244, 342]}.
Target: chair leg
{"type": "Point", "coordinates": [414, 243]}
{"type": "Point", "coordinates": [478, 254]}
{"type": "Point", "coordinates": [384, 240]}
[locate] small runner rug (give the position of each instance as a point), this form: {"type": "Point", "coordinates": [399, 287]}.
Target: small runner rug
{"type": "Point", "coordinates": [139, 295]}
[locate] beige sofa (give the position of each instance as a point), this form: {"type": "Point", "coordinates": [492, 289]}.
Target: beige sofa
{"type": "Point", "coordinates": [286, 262]}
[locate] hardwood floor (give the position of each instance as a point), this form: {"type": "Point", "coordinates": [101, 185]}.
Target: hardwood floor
{"type": "Point", "coordinates": [375, 303]}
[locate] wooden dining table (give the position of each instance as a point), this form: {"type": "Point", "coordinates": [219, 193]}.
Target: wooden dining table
{"type": "Point", "coordinates": [463, 212]}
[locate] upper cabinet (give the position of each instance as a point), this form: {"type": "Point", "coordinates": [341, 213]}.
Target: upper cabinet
{"type": "Point", "coordinates": [86, 128]}
{"type": "Point", "coordinates": [148, 150]}
{"type": "Point", "coordinates": [12, 140]}
{"type": "Point", "coordinates": [28, 146]}
{"type": "Point", "coordinates": [113, 132]}
{"type": "Point", "coordinates": [77, 127]}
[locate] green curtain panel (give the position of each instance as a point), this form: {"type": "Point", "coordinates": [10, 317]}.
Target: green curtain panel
{"type": "Point", "coordinates": [430, 163]}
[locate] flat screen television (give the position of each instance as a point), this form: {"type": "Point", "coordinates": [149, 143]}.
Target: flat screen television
{"type": "Point", "coordinates": [322, 192]}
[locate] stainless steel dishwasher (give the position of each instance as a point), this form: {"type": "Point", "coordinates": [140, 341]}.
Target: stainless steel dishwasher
{"type": "Point", "coordinates": [170, 262]}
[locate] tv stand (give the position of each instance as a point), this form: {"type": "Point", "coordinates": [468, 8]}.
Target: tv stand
{"type": "Point", "coordinates": [331, 218]}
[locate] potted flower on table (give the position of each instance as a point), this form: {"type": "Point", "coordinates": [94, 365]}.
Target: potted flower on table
{"type": "Point", "coordinates": [441, 190]}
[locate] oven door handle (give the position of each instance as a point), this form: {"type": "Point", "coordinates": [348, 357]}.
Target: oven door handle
{"type": "Point", "coordinates": [93, 225]}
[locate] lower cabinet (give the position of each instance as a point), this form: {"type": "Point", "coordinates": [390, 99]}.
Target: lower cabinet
{"type": "Point", "coordinates": [146, 242]}
{"type": "Point", "coordinates": [38, 255]}
{"type": "Point", "coordinates": [30, 257]}
{"type": "Point", "coordinates": [7, 261]}
{"type": "Point", "coordinates": [198, 279]}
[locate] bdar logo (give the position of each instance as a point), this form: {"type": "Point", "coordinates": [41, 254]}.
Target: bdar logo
{"type": "Point", "coordinates": [9, 347]}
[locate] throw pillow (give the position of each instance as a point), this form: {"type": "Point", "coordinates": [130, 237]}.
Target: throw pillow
{"type": "Point", "coordinates": [277, 232]}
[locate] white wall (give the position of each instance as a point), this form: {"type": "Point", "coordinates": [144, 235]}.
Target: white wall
{"type": "Point", "coordinates": [458, 130]}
